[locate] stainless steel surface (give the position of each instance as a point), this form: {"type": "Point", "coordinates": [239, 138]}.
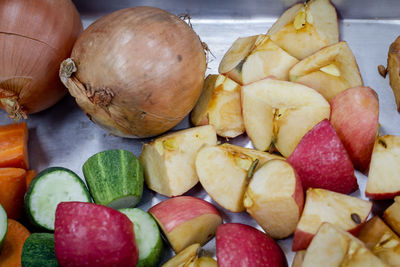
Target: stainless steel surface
{"type": "Point", "coordinates": [64, 136]}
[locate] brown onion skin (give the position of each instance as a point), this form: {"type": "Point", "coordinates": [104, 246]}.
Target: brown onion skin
{"type": "Point", "coordinates": [35, 36]}
{"type": "Point", "coordinates": [152, 63]}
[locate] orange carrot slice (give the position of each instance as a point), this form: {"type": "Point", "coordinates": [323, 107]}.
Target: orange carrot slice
{"type": "Point", "coordinates": [29, 177]}
{"type": "Point", "coordinates": [14, 145]}
{"type": "Point", "coordinates": [12, 246]}
{"type": "Point", "coordinates": [12, 190]}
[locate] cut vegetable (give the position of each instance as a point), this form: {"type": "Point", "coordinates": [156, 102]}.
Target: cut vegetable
{"type": "Point", "coordinates": [12, 246]}
{"type": "Point", "coordinates": [3, 224]}
{"type": "Point", "coordinates": [148, 237]}
{"type": "Point", "coordinates": [38, 250]}
{"type": "Point", "coordinates": [114, 178]}
{"type": "Point", "coordinates": [14, 145]}
{"type": "Point", "coordinates": [48, 189]}
{"type": "Point", "coordinates": [12, 190]}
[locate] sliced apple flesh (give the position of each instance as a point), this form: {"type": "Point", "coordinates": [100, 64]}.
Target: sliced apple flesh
{"type": "Point", "coordinates": [330, 70]}
{"type": "Point", "coordinates": [383, 182]}
{"type": "Point", "coordinates": [393, 67]}
{"type": "Point", "coordinates": [332, 247]}
{"type": "Point", "coordinates": [168, 161]}
{"type": "Point", "coordinates": [381, 240]}
{"type": "Point", "coordinates": [223, 172]}
{"type": "Point", "coordinates": [347, 212]}
{"type": "Point", "coordinates": [186, 220]}
{"type": "Point", "coordinates": [219, 106]}
{"type": "Point", "coordinates": [258, 59]}
{"type": "Point", "coordinates": [185, 257]}
{"type": "Point", "coordinates": [392, 215]}
{"type": "Point", "coordinates": [274, 198]}
{"type": "Point", "coordinates": [281, 112]}
{"type": "Point", "coordinates": [304, 29]}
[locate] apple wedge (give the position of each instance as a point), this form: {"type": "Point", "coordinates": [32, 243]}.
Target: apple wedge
{"type": "Point", "coordinates": [224, 172]}
{"type": "Point", "coordinates": [354, 116]}
{"type": "Point", "coordinates": [219, 106]}
{"type": "Point", "coordinates": [305, 28]}
{"type": "Point", "coordinates": [254, 58]}
{"type": "Point", "coordinates": [185, 258]}
{"type": "Point", "coordinates": [281, 112]}
{"type": "Point", "coordinates": [333, 247]}
{"type": "Point", "coordinates": [168, 161]}
{"type": "Point", "coordinates": [347, 212]}
{"type": "Point", "coordinates": [299, 258]}
{"type": "Point", "coordinates": [381, 240]}
{"type": "Point", "coordinates": [88, 234]}
{"type": "Point", "coordinates": [383, 181]}
{"type": "Point", "coordinates": [242, 245]}
{"type": "Point", "coordinates": [393, 67]}
{"type": "Point", "coordinates": [392, 215]}
{"type": "Point", "coordinates": [274, 198]}
{"type": "Point", "coordinates": [186, 220]}
{"type": "Point", "coordinates": [330, 70]}
{"type": "Point", "coordinates": [321, 161]}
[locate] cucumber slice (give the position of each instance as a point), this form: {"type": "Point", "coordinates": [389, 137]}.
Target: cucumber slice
{"type": "Point", "coordinates": [3, 224]}
{"type": "Point", "coordinates": [114, 178]}
{"type": "Point", "coordinates": [38, 250]}
{"type": "Point", "coordinates": [48, 189]}
{"type": "Point", "coordinates": [148, 237]}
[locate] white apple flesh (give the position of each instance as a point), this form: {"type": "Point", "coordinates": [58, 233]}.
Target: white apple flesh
{"type": "Point", "coordinates": [285, 113]}
{"type": "Point", "coordinates": [186, 220]}
{"type": "Point", "coordinates": [347, 212]}
{"type": "Point", "coordinates": [274, 198]}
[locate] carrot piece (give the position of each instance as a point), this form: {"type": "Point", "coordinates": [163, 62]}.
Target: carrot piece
{"type": "Point", "coordinates": [13, 243]}
{"type": "Point", "coordinates": [29, 177]}
{"type": "Point", "coordinates": [12, 191]}
{"type": "Point", "coordinates": [14, 145]}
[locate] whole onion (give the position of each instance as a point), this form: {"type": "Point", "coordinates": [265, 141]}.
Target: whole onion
{"type": "Point", "coordinates": [35, 37]}
{"type": "Point", "coordinates": [139, 71]}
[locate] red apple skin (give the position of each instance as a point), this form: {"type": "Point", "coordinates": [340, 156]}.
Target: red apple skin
{"type": "Point", "coordinates": [88, 234]}
{"type": "Point", "coordinates": [321, 161]}
{"type": "Point", "coordinates": [244, 246]}
{"type": "Point", "coordinates": [177, 210]}
{"type": "Point", "coordinates": [354, 116]}
{"type": "Point", "coordinates": [298, 194]}
{"type": "Point", "coordinates": [302, 240]}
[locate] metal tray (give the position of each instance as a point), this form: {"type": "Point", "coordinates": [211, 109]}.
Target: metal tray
{"type": "Point", "coordinates": [64, 136]}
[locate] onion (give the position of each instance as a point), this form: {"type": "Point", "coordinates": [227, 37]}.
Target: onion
{"type": "Point", "coordinates": [139, 71]}
{"type": "Point", "coordinates": [35, 36]}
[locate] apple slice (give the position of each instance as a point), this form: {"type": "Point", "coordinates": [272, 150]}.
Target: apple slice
{"type": "Point", "coordinates": [242, 245]}
{"type": "Point", "coordinates": [88, 234]}
{"type": "Point", "coordinates": [186, 220]}
{"type": "Point", "coordinates": [224, 172]}
{"type": "Point", "coordinates": [185, 257]}
{"type": "Point", "coordinates": [219, 105]}
{"type": "Point", "coordinates": [281, 112]}
{"type": "Point", "coordinates": [393, 64]}
{"type": "Point", "coordinates": [299, 258]}
{"type": "Point", "coordinates": [254, 58]}
{"type": "Point", "coordinates": [381, 240]}
{"type": "Point", "coordinates": [383, 182]}
{"type": "Point", "coordinates": [274, 198]}
{"type": "Point", "coordinates": [332, 247]}
{"type": "Point", "coordinates": [346, 212]}
{"type": "Point", "coordinates": [305, 28]}
{"type": "Point", "coordinates": [330, 70]}
{"type": "Point", "coordinates": [168, 161]}
{"type": "Point", "coordinates": [321, 161]}
{"type": "Point", "coordinates": [392, 215]}
{"type": "Point", "coordinates": [357, 135]}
